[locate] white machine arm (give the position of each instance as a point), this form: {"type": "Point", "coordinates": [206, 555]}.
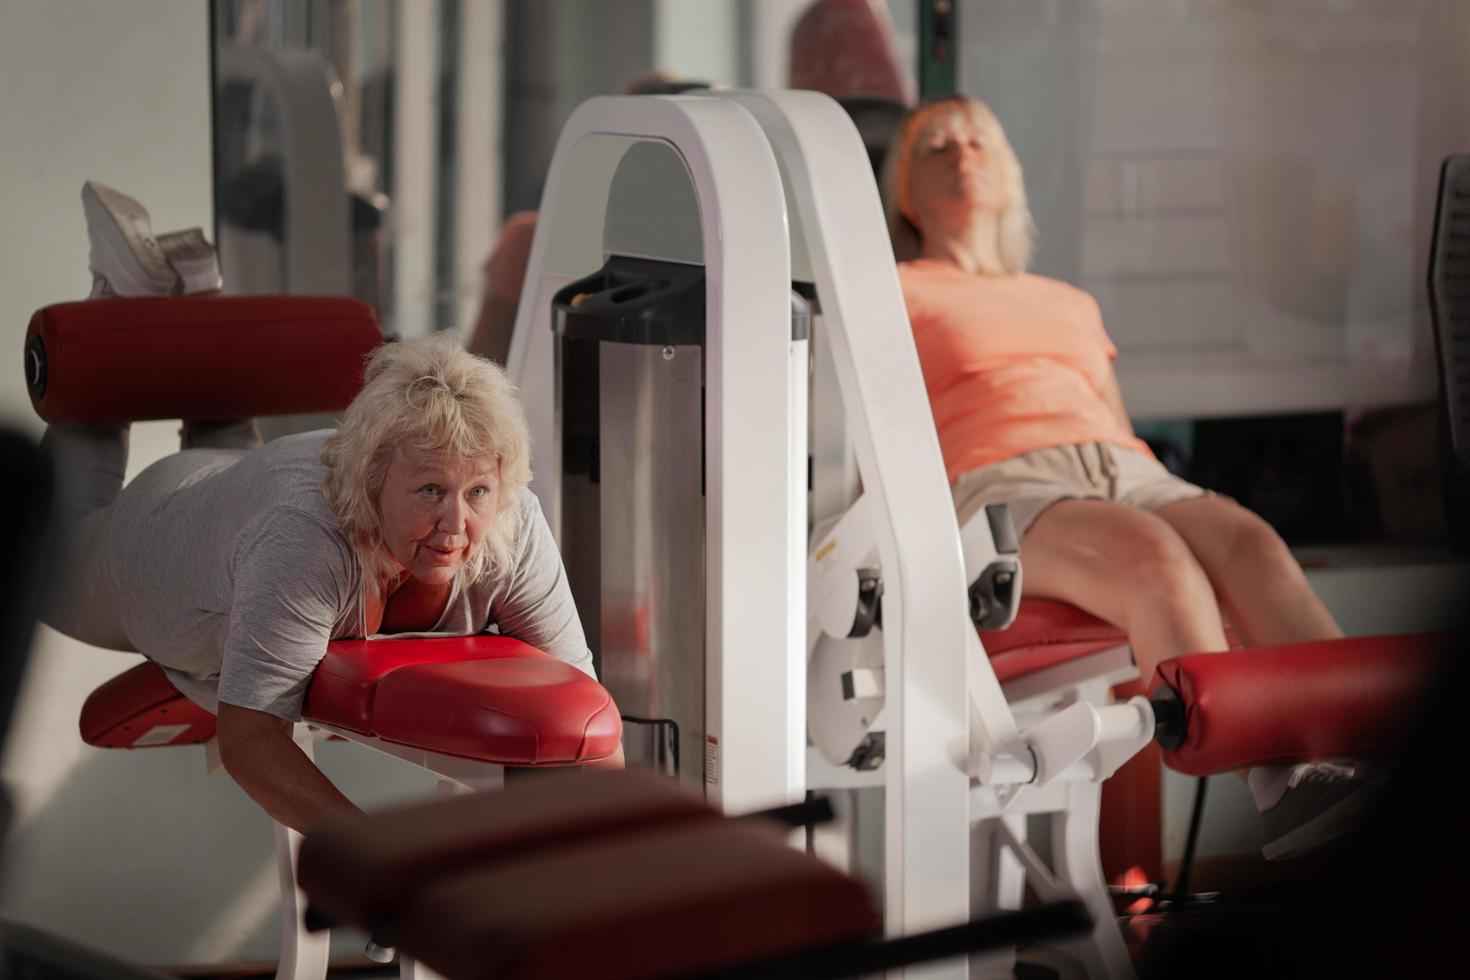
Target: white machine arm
{"type": "Point", "coordinates": [1081, 742]}
{"type": "Point", "coordinates": [844, 581]}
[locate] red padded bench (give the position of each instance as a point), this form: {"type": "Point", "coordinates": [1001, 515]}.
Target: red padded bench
{"type": "Point", "coordinates": [606, 874]}
{"type": "Point", "coordinates": [488, 698]}
{"type": "Point", "coordinates": [617, 875]}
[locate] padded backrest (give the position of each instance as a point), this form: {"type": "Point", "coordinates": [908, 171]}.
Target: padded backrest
{"type": "Point", "coordinates": [1449, 302]}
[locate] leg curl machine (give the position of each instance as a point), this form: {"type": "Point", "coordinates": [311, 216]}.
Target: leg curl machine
{"type": "Point", "coordinates": [967, 737]}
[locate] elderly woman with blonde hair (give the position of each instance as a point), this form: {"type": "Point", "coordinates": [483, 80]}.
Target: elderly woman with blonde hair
{"type": "Point", "coordinates": [1029, 412]}
{"type": "Point", "coordinates": [233, 568]}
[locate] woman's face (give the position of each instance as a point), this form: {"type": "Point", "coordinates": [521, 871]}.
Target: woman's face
{"type": "Point", "coordinates": [955, 171]}
{"type": "Point", "coordinates": [436, 508]}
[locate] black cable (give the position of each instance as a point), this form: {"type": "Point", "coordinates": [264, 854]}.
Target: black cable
{"type": "Point", "coordinates": [1186, 863]}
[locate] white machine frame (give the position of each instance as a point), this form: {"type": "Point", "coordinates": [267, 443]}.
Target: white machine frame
{"type": "Point", "coordinates": [965, 760]}
{"type": "Point", "coordinates": [1046, 754]}
{"type": "Point", "coordinates": [755, 508]}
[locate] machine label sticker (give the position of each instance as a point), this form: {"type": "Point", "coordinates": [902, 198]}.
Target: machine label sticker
{"type": "Point", "coordinates": [711, 759]}
{"type": "Point", "coordinates": [159, 735]}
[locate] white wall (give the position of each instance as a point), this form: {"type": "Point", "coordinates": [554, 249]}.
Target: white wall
{"type": "Point", "coordinates": [138, 853]}
{"type": "Point", "coordinates": [90, 89]}
{"type": "Point", "coordinates": [697, 40]}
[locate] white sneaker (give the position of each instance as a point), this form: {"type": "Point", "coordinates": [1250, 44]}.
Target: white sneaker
{"type": "Point", "coordinates": [193, 259]}
{"type": "Point", "coordinates": [127, 260]}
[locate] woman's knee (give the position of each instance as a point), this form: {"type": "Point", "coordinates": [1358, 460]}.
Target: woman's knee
{"type": "Point", "coordinates": [1256, 552]}
{"type": "Point", "coordinates": [1157, 569]}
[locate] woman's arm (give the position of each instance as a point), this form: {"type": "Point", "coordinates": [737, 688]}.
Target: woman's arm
{"type": "Point", "coordinates": [260, 755]}
{"type": "Point", "coordinates": [292, 579]}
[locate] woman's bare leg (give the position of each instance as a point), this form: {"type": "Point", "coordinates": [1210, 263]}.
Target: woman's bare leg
{"type": "Point", "coordinates": [1268, 599]}
{"type": "Point", "coordinates": [1262, 589]}
{"type": "Point", "coordinates": [1128, 567]}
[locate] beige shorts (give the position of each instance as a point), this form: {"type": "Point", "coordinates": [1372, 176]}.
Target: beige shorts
{"type": "Point", "coordinates": [1032, 482]}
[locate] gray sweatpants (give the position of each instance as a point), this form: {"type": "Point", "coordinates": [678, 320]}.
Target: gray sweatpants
{"type": "Point", "coordinates": [91, 461]}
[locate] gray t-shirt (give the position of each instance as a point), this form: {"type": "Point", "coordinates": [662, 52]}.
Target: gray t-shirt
{"type": "Point", "coordinates": [231, 572]}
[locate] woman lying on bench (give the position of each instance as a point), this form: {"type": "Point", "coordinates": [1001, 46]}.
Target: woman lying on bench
{"type": "Point", "coordinates": [232, 568]}
{"type": "Point", "coordinates": [1029, 412]}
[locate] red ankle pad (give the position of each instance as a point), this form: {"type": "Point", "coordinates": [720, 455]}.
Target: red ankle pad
{"type": "Point", "coordinates": [196, 357]}
{"type": "Point", "coordinates": [1353, 698]}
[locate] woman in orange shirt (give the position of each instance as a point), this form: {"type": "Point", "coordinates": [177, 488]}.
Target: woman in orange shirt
{"type": "Point", "coordinates": [1028, 410]}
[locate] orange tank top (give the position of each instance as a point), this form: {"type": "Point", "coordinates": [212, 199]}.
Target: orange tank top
{"type": "Point", "coordinates": [1012, 363]}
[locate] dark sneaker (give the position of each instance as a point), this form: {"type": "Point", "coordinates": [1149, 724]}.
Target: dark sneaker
{"type": "Point", "coordinates": [1322, 802]}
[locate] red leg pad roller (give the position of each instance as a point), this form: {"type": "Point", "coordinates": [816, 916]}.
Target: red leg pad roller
{"type": "Point", "coordinates": [1331, 699]}
{"type": "Point", "coordinates": [193, 357]}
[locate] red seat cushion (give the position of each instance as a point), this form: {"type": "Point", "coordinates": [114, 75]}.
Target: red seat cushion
{"type": "Point", "coordinates": [197, 357]}
{"type": "Point", "coordinates": [1047, 633]}
{"type": "Point", "coordinates": [1350, 698]}
{"type": "Point", "coordinates": [363, 871]}
{"type": "Point", "coordinates": [490, 698]}
{"type": "Point", "coordinates": [678, 900]}
{"type": "Point", "coordinates": [138, 709]}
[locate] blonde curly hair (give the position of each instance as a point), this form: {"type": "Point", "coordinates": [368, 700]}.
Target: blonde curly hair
{"type": "Point", "coordinates": [1016, 231]}
{"type": "Point", "coordinates": [430, 395]}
